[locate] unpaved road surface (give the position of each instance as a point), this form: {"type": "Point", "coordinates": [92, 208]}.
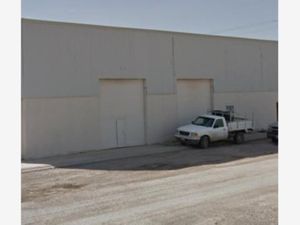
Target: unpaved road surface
{"type": "Point", "coordinates": [223, 185]}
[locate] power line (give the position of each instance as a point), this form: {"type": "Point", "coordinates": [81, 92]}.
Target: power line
{"type": "Point", "coordinates": [258, 30]}
{"type": "Point", "coordinates": [245, 26]}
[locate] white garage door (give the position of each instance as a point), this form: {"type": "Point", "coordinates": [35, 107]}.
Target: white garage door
{"type": "Point", "coordinates": [193, 99]}
{"type": "Point", "coordinates": [121, 113]}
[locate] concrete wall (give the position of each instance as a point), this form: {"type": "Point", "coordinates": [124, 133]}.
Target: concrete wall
{"type": "Point", "coordinates": [62, 65]}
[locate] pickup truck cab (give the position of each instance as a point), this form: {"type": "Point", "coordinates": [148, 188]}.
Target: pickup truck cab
{"type": "Point", "coordinates": [209, 128]}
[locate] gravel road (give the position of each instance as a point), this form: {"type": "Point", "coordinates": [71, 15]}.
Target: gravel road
{"type": "Point", "coordinates": [228, 185]}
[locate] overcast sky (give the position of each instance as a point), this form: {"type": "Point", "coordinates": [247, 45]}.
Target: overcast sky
{"type": "Point", "coordinates": [241, 18]}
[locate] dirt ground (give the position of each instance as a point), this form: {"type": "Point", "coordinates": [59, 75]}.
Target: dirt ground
{"type": "Point", "coordinates": [225, 184]}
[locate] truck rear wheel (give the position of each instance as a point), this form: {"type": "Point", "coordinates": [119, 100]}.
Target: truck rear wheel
{"type": "Point", "coordinates": [239, 138]}
{"type": "Point", "coordinates": [204, 142]}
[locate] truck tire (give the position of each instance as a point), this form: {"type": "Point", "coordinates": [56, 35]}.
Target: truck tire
{"type": "Point", "coordinates": [239, 138]}
{"type": "Point", "coordinates": [204, 142]}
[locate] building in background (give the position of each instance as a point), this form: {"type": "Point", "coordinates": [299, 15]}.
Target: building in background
{"type": "Point", "coordinates": [87, 87]}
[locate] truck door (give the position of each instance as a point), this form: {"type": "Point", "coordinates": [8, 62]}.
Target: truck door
{"type": "Point", "coordinates": [220, 131]}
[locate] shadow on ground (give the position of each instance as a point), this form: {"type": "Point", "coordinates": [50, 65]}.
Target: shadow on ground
{"type": "Point", "coordinates": [179, 157]}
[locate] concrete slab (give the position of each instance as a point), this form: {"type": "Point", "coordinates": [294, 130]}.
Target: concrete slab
{"type": "Point", "coordinates": [30, 167]}
{"type": "Point", "coordinates": [94, 156]}
{"type": "Point", "coordinates": [110, 154]}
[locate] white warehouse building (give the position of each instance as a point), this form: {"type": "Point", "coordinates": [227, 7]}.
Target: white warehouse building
{"type": "Point", "coordinates": [88, 87]}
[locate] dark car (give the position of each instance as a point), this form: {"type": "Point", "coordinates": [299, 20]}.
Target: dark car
{"type": "Point", "coordinates": [272, 132]}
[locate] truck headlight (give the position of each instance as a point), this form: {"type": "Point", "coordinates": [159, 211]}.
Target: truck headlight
{"type": "Point", "coordinates": [194, 134]}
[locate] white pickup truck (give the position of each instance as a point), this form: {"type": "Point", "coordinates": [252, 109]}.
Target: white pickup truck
{"type": "Point", "coordinates": [217, 126]}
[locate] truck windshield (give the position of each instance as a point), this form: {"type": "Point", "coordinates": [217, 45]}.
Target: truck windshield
{"type": "Point", "coordinates": [203, 121]}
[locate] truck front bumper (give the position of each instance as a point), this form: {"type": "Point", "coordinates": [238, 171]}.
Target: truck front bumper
{"type": "Point", "coordinates": [187, 139]}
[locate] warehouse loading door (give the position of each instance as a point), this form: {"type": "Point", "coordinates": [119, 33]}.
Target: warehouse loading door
{"type": "Point", "coordinates": [121, 104]}
{"type": "Point", "coordinates": [194, 98]}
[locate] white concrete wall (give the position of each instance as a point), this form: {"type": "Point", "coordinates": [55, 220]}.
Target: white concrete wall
{"type": "Point", "coordinates": [161, 117]}
{"type": "Point", "coordinates": [54, 126]}
{"type": "Point", "coordinates": [235, 64]}
{"type": "Point", "coordinates": [62, 64]}
{"type": "Point", "coordinates": [193, 99]}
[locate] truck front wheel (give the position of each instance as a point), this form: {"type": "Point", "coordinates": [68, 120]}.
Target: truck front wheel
{"type": "Point", "coordinates": [239, 138]}
{"type": "Point", "coordinates": [204, 142]}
